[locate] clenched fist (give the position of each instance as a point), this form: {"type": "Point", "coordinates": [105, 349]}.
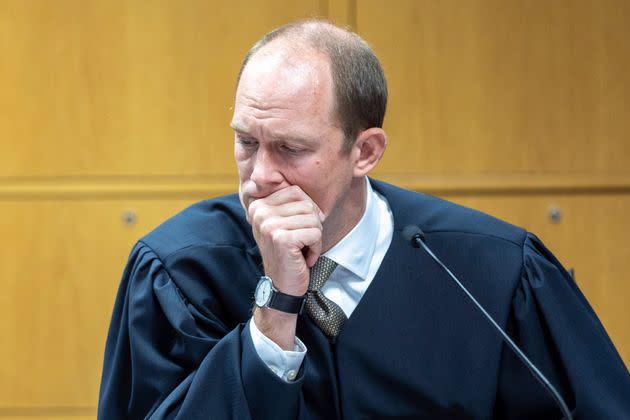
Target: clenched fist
{"type": "Point", "coordinates": [287, 226]}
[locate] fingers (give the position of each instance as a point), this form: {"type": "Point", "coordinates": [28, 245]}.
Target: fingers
{"type": "Point", "coordinates": [294, 241]}
{"type": "Point", "coordinates": [284, 195]}
{"type": "Point", "coordinates": [271, 223]}
{"type": "Point", "coordinates": [259, 212]}
{"type": "Point", "coordinates": [285, 202]}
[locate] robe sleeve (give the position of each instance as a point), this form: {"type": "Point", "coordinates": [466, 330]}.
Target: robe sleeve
{"type": "Point", "coordinates": [164, 359]}
{"type": "Point", "coordinates": [559, 331]}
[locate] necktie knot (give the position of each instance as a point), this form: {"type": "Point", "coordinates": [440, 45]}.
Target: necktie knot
{"type": "Point", "coordinates": [326, 313]}
{"type": "Point", "coordinates": [320, 272]}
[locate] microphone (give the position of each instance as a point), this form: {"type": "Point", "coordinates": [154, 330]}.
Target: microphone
{"type": "Point", "coordinates": [416, 237]}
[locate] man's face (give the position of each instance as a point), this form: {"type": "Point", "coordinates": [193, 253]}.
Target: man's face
{"type": "Point", "coordinates": [285, 133]}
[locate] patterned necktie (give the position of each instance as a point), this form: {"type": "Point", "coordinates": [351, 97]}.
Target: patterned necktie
{"type": "Point", "coordinates": [322, 310]}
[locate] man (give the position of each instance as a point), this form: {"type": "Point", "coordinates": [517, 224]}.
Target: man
{"type": "Point", "coordinates": [382, 331]}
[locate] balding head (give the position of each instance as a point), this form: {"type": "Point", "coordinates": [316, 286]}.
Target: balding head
{"type": "Point", "coordinates": [359, 87]}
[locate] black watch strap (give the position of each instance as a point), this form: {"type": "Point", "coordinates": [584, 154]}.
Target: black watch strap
{"type": "Point", "coordinates": [286, 303]}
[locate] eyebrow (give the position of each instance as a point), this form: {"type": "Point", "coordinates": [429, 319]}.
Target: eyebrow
{"type": "Point", "coordinates": [294, 139]}
{"type": "Point", "coordinates": [237, 127]}
{"type": "Point", "coordinates": [277, 138]}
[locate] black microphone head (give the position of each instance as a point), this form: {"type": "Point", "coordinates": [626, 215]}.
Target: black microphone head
{"type": "Point", "coordinates": [413, 234]}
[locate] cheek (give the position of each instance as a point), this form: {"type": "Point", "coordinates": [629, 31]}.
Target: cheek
{"type": "Point", "coordinates": [321, 186]}
{"type": "Point", "coordinates": [243, 166]}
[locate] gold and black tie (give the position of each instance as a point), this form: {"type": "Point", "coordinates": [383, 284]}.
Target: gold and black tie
{"type": "Point", "coordinates": [326, 313]}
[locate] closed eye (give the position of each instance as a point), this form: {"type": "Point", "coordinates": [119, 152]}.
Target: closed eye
{"type": "Point", "coordinates": [290, 150]}
{"type": "Point", "coordinates": [246, 142]}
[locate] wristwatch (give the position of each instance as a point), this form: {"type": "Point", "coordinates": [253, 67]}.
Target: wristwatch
{"type": "Point", "coordinates": [267, 296]}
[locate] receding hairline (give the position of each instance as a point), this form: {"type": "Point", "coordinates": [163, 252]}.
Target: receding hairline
{"type": "Point", "coordinates": [317, 31]}
{"type": "Point", "coordinates": [318, 34]}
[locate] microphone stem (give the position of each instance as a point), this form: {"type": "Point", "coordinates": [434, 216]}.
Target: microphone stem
{"type": "Point", "coordinates": [532, 368]}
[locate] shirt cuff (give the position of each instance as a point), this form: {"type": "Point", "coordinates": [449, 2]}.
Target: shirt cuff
{"type": "Point", "coordinates": [285, 364]}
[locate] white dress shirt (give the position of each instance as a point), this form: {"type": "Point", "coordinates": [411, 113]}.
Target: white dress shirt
{"type": "Point", "coordinates": [358, 255]}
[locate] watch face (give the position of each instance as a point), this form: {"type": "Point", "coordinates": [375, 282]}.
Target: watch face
{"type": "Point", "coordinates": [263, 291]}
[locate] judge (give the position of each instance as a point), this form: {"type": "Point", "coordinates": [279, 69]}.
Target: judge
{"type": "Point", "coordinates": [301, 298]}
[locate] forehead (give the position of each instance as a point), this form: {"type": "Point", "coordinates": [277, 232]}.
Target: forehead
{"type": "Point", "coordinates": [287, 81]}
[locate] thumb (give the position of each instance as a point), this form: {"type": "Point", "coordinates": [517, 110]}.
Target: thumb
{"type": "Point", "coordinates": [312, 254]}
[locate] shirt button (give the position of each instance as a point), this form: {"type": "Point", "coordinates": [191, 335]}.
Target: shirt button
{"type": "Point", "coordinates": [274, 369]}
{"type": "Point", "coordinates": [291, 375]}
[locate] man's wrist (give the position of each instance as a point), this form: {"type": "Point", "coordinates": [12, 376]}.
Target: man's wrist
{"type": "Point", "coordinates": [277, 326]}
{"type": "Point", "coordinates": [267, 296]}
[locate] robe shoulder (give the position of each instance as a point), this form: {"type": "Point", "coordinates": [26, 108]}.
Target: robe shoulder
{"type": "Point", "coordinates": [559, 330]}
{"type": "Point", "coordinates": [209, 254]}
{"type": "Point", "coordinates": [436, 215]}
{"type": "Point", "coordinates": [217, 222]}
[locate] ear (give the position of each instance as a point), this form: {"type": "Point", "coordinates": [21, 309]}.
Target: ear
{"type": "Point", "coordinates": [368, 150]}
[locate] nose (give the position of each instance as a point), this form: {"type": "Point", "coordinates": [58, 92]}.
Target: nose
{"type": "Point", "coordinates": [266, 171]}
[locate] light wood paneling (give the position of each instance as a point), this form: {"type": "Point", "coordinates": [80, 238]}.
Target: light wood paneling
{"type": "Point", "coordinates": [202, 187]}
{"type": "Point", "coordinates": [342, 12]}
{"type": "Point", "coordinates": [495, 86]}
{"type": "Point", "coordinates": [591, 238]}
{"type": "Point", "coordinates": [124, 87]}
{"type": "Point", "coordinates": [65, 260]}
{"type": "Point", "coordinates": [48, 413]}
{"type": "Point", "coordinates": [47, 417]}
{"type": "Point", "coordinates": [117, 187]}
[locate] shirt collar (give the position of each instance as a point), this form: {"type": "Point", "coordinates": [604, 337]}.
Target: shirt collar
{"type": "Point", "coordinates": [355, 250]}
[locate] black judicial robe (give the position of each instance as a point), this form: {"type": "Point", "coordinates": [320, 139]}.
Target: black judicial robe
{"type": "Point", "coordinates": [179, 346]}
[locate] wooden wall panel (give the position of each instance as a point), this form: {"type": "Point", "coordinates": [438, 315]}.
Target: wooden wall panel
{"type": "Point", "coordinates": [125, 87]}
{"type": "Point", "coordinates": [48, 417]}
{"type": "Point", "coordinates": [591, 238]}
{"type": "Point", "coordinates": [58, 288]}
{"type": "Point", "coordinates": [495, 86]}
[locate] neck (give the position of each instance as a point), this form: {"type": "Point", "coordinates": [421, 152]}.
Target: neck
{"type": "Point", "coordinates": [348, 212]}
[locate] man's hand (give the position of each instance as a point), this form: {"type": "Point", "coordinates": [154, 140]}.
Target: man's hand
{"type": "Point", "coordinates": [287, 227]}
